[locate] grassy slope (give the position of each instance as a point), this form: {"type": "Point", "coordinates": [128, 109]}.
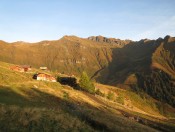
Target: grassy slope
{"type": "Point", "coordinates": [29, 105]}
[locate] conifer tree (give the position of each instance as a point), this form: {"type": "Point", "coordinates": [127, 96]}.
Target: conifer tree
{"type": "Point", "coordinates": [86, 84]}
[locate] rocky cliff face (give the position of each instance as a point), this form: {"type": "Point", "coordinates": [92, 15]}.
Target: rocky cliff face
{"type": "Point", "coordinates": [102, 39]}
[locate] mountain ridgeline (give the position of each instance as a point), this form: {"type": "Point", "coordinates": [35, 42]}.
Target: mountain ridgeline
{"type": "Point", "coordinates": [144, 66]}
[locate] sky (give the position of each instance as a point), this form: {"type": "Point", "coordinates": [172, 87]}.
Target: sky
{"type": "Point", "coordinates": [36, 20]}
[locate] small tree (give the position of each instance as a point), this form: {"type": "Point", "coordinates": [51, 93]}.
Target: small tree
{"type": "Point", "coordinates": [86, 84]}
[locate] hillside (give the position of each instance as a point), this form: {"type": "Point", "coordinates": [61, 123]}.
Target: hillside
{"type": "Point", "coordinates": [146, 65]}
{"type": "Point", "coordinates": [30, 105]}
{"type": "Point", "coordinates": [70, 54]}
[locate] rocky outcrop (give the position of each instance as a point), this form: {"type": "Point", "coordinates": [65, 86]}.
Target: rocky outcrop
{"type": "Point", "coordinates": [102, 39]}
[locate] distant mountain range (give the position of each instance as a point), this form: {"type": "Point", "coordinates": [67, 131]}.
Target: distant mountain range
{"type": "Point", "coordinates": [143, 66]}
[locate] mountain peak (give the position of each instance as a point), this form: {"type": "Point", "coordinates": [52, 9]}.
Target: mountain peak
{"type": "Point", "coordinates": [169, 39]}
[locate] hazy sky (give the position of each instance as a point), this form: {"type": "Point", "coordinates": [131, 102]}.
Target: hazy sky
{"type": "Point", "coordinates": [35, 20]}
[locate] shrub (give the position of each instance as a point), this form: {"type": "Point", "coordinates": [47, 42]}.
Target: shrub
{"type": "Point", "coordinates": [65, 95]}
{"type": "Point", "coordinates": [71, 81]}
{"type": "Point", "coordinates": [98, 92]}
{"type": "Point", "coordinates": [120, 99]}
{"type": "Point", "coordinates": [86, 84]}
{"type": "Point", "coordinates": [110, 95]}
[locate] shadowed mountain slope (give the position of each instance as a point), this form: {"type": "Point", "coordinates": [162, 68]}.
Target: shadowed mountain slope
{"type": "Point", "coordinates": [146, 65]}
